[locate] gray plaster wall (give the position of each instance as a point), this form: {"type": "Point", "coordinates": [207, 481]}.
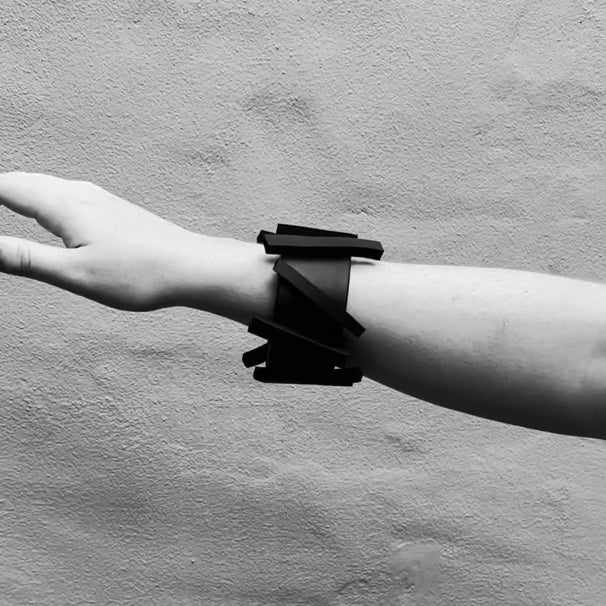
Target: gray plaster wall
{"type": "Point", "coordinates": [140, 462]}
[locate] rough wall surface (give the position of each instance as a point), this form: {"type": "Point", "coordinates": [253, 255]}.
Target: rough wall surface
{"type": "Point", "coordinates": [140, 463]}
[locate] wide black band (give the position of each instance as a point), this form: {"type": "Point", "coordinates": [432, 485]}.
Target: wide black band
{"type": "Point", "coordinates": [306, 336]}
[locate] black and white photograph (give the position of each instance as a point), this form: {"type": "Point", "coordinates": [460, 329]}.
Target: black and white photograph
{"type": "Point", "coordinates": [303, 303]}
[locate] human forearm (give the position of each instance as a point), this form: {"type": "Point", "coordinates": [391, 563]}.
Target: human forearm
{"type": "Point", "coordinates": [521, 347]}
{"type": "Point", "coordinates": [515, 346]}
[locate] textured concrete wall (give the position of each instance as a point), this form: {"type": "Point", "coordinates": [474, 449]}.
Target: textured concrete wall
{"type": "Point", "coordinates": [140, 463]}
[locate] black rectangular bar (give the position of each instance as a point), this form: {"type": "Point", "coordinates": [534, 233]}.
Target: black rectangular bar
{"type": "Point", "coordinates": [261, 234]}
{"type": "Point", "coordinates": [343, 376]}
{"type": "Point", "coordinates": [255, 356]}
{"type": "Point", "coordinates": [312, 246]}
{"type": "Point", "coordinates": [298, 230]}
{"type": "Point", "coordinates": [314, 294]}
{"type": "Point", "coordinates": [284, 355]}
{"type": "Point", "coordinates": [272, 330]}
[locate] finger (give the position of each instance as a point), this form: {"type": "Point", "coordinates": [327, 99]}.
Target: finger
{"type": "Point", "coordinates": [51, 264]}
{"type": "Point", "coordinates": [44, 197]}
{"type": "Point", "coordinates": [30, 193]}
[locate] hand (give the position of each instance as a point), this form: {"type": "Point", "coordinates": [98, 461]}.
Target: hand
{"type": "Point", "coordinates": [117, 253]}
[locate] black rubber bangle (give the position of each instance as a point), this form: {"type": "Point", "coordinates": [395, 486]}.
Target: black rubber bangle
{"type": "Point", "coordinates": [305, 337]}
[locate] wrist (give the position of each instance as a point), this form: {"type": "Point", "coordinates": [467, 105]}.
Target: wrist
{"type": "Point", "coordinates": [226, 277]}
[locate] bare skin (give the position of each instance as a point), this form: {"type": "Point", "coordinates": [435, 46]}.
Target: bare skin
{"type": "Point", "coordinates": [520, 347]}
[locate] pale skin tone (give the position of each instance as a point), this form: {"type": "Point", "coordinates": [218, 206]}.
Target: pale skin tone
{"type": "Point", "coordinates": [521, 347]}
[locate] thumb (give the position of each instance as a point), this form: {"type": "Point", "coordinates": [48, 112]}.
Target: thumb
{"type": "Point", "coordinates": [51, 264]}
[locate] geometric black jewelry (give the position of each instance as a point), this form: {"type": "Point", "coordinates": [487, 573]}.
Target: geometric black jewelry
{"type": "Point", "coordinates": [305, 338]}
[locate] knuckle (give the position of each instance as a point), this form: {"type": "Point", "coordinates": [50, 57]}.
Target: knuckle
{"type": "Point", "coordinates": [23, 260]}
{"type": "Point", "coordinates": [4, 261]}
{"type": "Point", "coordinates": [15, 257]}
{"type": "Point", "coordinates": [87, 186]}
{"type": "Point", "coordinates": [79, 193]}
{"type": "Point", "coordinates": [86, 191]}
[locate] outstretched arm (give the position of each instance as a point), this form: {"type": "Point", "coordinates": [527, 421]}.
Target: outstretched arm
{"type": "Point", "coordinates": [520, 347]}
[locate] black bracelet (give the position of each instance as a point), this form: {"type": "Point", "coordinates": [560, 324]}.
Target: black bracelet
{"type": "Point", "coordinates": [305, 338]}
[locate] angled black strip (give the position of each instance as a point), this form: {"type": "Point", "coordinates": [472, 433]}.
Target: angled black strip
{"type": "Point", "coordinates": [255, 356]}
{"type": "Point", "coordinates": [298, 230]}
{"type": "Point", "coordinates": [260, 236]}
{"type": "Point", "coordinates": [272, 330]}
{"type": "Point", "coordinates": [344, 376]}
{"type": "Point", "coordinates": [315, 295]}
{"type": "Point", "coordinates": [312, 246]}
